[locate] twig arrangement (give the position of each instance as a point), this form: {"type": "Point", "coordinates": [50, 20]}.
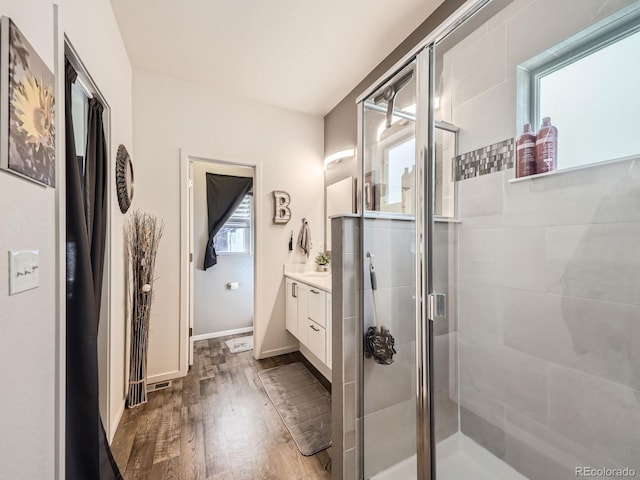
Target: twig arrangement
{"type": "Point", "coordinates": [143, 237]}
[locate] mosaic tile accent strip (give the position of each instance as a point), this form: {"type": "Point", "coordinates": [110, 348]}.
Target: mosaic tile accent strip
{"type": "Point", "coordinates": [493, 158]}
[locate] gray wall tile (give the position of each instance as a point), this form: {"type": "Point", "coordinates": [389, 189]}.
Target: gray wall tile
{"type": "Point", "coordinates": [511, 377]}
{"type": "Point", "coordinates": [490, 435]}
{"type": "Point", "coordinates": [441, 362]}
{"type": "Point", "coordinates": [389, 437]}
{"type": "Point", "coordinates": [540, 453]}
{"type": "Point", "coordinates": [482, 197]}
{"type": "Point", "coordinates": [350, 409]}
{"type": "Point", "coordinates": [388, 385]}
{"type": "Point", "coordinates": [524, 249]}
{"type": "Point", "coordinates": [396, 311]}
{"type": "Point", "coordinates": [350, 352]}
{"type": "Point", "coordinates": [592, 336]}
{"type": "Point", "coordinates": [445, 415]}
{"type": "Point", "coordinates": [480, 256]}
{"type": "Point", "coordinates": [602, 416]}
{"type": "Point", "coordinates": [598, 261]}
{"type": "Point", "coordinates": [480, 310]}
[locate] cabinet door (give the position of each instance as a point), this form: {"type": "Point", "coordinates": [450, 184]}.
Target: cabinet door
{"type": "Point", "coordinates": [329, 331]}
{"type": "Point", "coordinates": [317, 306]}
{"type": "Point", "coordinates": [292, 307]}
{"type": "Point", "coordinates": [302, 292]}
{"type": "Point", "coordinates": [317, 340]}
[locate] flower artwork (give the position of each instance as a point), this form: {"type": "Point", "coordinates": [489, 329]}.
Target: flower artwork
{"type": "Point", "coordinates": [28, 109]}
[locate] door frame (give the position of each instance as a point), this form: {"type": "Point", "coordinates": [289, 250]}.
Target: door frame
{"type": "Point", "coordinates": [187, 248]}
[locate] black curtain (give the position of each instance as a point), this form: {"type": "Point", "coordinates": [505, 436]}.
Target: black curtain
{"type": "Point", "coordinates": [87, 451]}
{"type": "Point", "coordinates": [224, 194]}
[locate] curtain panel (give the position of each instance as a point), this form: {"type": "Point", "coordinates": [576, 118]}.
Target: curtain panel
{"type": "Point", "coordinates": [224, 194]}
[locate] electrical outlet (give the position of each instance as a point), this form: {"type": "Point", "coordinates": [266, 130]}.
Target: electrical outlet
{"type": "Point", "coordinates": [24, 271]}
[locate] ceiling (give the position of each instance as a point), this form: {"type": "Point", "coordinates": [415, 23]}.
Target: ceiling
{"type": "Point", "coordinates": [298, 54]}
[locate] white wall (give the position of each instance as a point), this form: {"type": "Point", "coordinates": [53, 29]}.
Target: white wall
{"type": "Point", "coordinates": [286, 147]}
{"type": "Point", "coordinates": [27, 220]}
{"type": "Point", "coordinates": [215, 307]}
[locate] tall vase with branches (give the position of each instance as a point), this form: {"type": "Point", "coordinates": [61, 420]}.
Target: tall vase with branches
{"type": "Point", "coordinates": [143, 235]}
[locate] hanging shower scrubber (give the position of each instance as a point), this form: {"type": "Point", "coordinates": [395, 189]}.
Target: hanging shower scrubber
{"type": "Point", "coordinates": [378, 341]}
{"type": "Point", "coordinates": [379, 344]}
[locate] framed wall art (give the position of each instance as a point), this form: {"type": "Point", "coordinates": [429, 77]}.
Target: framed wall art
{"type": "Point", "coordinates": [27, 109]}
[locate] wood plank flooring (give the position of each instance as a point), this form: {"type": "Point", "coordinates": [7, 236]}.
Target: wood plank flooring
{"type": "Point", "coordinates": [217, 423]}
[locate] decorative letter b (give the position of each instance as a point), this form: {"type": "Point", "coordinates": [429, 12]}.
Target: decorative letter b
{"type": "Point", "coordinates": [282, 212]}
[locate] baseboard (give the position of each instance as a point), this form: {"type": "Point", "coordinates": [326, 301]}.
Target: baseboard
{"type": "Point", "coordinates": [278, 351]}
{"type": "Point", "coordinates": [206, 336]}
{"type": "Point", "coordinates": [116, 422]}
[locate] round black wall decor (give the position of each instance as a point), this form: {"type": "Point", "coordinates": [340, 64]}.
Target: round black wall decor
{"type": "Point", "coordinates": [124, 178]}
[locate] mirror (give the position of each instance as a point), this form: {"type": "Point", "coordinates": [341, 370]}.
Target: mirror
{"type": "Point", "coordinates": [339, 200]}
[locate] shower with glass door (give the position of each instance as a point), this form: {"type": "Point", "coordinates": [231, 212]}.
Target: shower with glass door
{"type": "Point", "coordinates": [510, 306]}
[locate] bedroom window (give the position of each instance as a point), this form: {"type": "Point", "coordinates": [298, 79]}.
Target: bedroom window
{"type": "Point", "coordinates": [235, 237]}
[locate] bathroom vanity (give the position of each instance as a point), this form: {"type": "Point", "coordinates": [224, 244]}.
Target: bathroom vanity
{"type": "Point", "coordinates": [308, 315]}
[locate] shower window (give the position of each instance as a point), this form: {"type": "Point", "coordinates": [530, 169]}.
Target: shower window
{"type": "Point", "coordinates": [399, 166]}
{"type": "Point", "coordinates": [591, 94]}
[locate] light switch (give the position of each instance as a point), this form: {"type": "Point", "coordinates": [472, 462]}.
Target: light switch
{"type": "Point", "coordinates": [24, 271]}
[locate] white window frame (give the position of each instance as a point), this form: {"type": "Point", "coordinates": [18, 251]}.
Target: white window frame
{"type": "Point", "coordinates": [248, 251]}
{"type": "Point", "coordinates": [612, 29]}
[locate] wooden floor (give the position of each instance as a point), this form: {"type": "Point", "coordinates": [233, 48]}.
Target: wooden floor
{"type": "Point", "coordinates": [217, 423]}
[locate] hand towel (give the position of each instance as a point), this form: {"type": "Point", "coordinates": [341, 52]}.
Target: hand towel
{"type": "Point", "coordinates": [304, 238]}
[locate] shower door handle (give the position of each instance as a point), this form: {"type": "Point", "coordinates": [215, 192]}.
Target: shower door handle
{"type": "Point", "coordinates": [437, 306]}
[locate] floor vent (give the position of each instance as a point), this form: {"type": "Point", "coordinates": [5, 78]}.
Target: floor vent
{"type": "Point", "coordinates": [158, 386]}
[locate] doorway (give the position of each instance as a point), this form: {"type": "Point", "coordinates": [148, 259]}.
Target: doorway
{"type": "Point", "coordinates": [221, 296]}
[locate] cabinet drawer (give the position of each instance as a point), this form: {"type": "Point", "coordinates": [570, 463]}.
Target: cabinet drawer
{"type": "Point", "coordinates": [317, 340]}
{"type": "Point", "coordinates": [316, 306]}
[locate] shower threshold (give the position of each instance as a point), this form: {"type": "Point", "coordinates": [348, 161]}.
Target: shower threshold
{"type": "Point", "coordinates": [459, 458]}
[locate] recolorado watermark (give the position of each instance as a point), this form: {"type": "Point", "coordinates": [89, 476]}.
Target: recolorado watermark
{"type": "Point", "coordinates": [591, 472]}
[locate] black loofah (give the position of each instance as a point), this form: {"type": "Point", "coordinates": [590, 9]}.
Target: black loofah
{"type": "Point", "coordinates": [379, 344]}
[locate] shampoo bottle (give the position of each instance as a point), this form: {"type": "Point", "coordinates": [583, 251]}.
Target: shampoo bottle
{"type": "Point", "coordinates": [546, 147]}
{"type": "Point", "coordinates": [526, 153]}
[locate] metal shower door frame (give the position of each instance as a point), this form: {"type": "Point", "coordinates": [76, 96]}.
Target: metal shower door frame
{"type": "Point", "coordinates": [425, 209]}
{"type": "Point", "coordinates": [425, 190]}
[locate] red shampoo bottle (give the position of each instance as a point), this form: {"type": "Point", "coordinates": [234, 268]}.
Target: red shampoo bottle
{"type": "Point", "coordinates": [546, 147]}
{"type": "Point", "coordinates": [526, 153]}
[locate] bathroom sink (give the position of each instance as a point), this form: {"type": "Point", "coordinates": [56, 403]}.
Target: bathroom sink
{"type": "Point", "coordinates": [318, 274]}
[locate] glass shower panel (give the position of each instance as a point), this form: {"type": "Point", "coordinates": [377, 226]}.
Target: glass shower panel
{"type": "Point", "coordinates": [542, 339]}
{"type": "Point", "coordinates": [388, 259]}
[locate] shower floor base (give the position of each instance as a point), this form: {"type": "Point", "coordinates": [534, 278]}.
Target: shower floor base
{"type": "Point", "coordinates": [459, 458]}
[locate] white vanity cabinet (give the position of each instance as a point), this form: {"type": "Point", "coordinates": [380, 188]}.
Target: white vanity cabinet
{"type": "Point", "coordinates": [329, 345]}
{"type": "Point", "coordinates": [296, 309]}
{"type": "Point", "coordinates": [308, 316]}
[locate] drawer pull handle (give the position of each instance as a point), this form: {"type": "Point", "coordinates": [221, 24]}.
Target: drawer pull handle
{"type": "Point", "coordinates": [314, 291]}
{"type": "Point", "coordinates": [314, 328]}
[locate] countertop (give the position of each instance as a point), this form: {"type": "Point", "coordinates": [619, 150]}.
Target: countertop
{"type": "Point", "coordinates": [321, 280]}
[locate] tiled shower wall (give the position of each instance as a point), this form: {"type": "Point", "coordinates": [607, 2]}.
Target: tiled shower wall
{"type": "Point", "coordinates": [549, 272]}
